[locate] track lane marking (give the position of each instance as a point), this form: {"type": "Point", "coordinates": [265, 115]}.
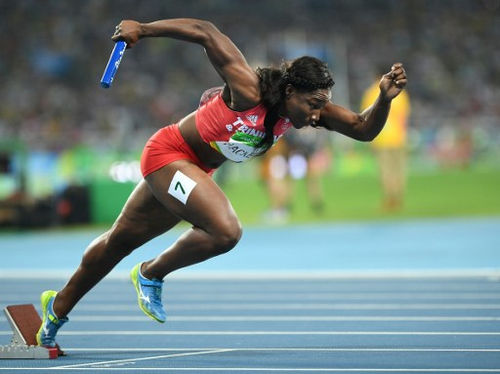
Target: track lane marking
{"type": "Point", "coordinates": [134, 360]}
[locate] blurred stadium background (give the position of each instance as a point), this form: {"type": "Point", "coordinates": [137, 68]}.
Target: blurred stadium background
{"type": "Point", "coordinates": [69, 150]}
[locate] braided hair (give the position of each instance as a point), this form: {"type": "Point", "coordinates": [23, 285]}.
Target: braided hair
{"type": "Point", "coordinates": [306, 74]}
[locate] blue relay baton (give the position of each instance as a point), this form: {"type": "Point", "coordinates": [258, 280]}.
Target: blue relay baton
{"type": "Point", "coordinates": [113, 63]}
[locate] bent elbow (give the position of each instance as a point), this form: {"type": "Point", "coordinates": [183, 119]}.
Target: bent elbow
{"type": "Point", "coordinates": [206, 26]}
{"type": "Point", "coordinates": [205, 30]}
{"type": "Point", "coordinates": [363, 133]}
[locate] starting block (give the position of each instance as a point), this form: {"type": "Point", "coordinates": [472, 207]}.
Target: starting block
{"type": "Point", "coordinates": [25, 322]}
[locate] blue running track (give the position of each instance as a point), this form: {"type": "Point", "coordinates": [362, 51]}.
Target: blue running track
{"type": "Point", "coordinates": [391, 297]}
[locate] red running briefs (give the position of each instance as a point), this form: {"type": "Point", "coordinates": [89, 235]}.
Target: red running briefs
{"type": "Point", "coordinates": [166, 146]}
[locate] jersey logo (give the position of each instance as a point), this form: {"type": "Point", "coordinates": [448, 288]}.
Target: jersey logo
{"type": "Point", "coordinates": [239, 122]}
{"type": "Point", "coordinates": [253, 118]}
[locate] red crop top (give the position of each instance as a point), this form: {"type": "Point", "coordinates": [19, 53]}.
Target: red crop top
{"type": "Point", "coordinates": [235, 134]}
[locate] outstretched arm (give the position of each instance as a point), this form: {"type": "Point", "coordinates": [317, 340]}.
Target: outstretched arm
{"type": "Point", "coordinates": [367, 125]}
{"type": "Point", "coordinates": [226, 58]}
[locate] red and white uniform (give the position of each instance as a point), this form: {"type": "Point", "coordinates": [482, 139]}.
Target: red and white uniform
{"type": "Point", "coordinates": [235, 134]}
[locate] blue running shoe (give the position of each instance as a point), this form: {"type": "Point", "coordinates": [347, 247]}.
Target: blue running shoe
{"type": "Point", "coordinates": [148, 294]}
{"type": "Point", "coordinates": [46, 335]}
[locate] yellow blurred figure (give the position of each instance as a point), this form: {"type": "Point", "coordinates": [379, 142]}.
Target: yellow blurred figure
{"type": "Point", "coordinates": [390, 147]}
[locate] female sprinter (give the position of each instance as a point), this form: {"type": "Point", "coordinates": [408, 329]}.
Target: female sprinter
{"type": "Point", "coordinates": [242, 121]}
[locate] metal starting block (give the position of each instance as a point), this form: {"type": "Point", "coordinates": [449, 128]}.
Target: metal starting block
{"type": "Point", "coordinates": [25, 322]}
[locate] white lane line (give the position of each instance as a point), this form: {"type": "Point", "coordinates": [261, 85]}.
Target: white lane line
{"type": "Point", "coordinates": [97, 333]}
{"type": "Point", "coordinates": [108, 318]}
{"type": "Point", "coordinates": [263, 369]}
{"type": "Point", "coordinates": [293, 306]}
{"type": "Point", "coordinates": [123, 308]}
{"type": "Point", "coordinates": [403, 295]}
{"type": "Point", "coordinates": [222, 333]}
{"type": "Point", "coordinates": [332, 306]}
{"type": "Point", "coordinates": [134, 360]}
{"type": "Point", "coordinates": [252, 296]}
{"type": "Point", "coordinates": [271, 349]}
{"type": "Point", "coordinates": [285, 288]}
{"type": "Point", "coordinates": [475, 274]}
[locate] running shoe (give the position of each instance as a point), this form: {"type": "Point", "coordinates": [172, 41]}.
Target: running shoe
{"type": "Point", "coordinates": [46, 335]}
{"type": "Point", "coordinates": [148, 294]}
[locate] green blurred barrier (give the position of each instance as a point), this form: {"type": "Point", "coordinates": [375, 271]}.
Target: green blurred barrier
{"type": "Point", "coordinates": [107, 199]}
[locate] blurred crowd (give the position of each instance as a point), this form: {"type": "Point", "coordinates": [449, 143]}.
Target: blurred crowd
{"type": "Point", "coordinates": [53, 53]}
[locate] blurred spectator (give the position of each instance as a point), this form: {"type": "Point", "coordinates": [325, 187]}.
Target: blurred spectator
{"type": "Point", "coordinates": [310, 158]}
{"type": "Point", "coordinates": [390, 146]}
{"type": "Point", "coordinates": [274, 175]}
{"type": "Point", "coordinates": [51, 99]}
{"type": "Point", "coordinates": [301, 153]}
